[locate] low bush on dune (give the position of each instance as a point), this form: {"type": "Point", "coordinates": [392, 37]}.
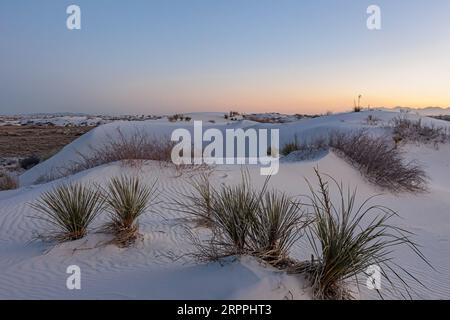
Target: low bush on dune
{"type": "Point", "coordinates": [376, 157]}
{"type": "Point", "coordinates": [348, 239]}
{"type": "Point", "coordinates": [132, 150]}
{"type": "Point", "coordinates": [261, 223]}
{"type": "Point", "coordinates": [380, 161]}
{"type": "Point", "coordinates": [29, 162]}
{"type": "Point", "coordinates": [127, 198]}
{"type": "Point", "coordinates": [127, 148]}
{"type": "Point", "coordinates": [7, 182]}
{"type": "Point", "coordinates": [69, 210]}
{"type": "Point", "coordinates": [407, 130]}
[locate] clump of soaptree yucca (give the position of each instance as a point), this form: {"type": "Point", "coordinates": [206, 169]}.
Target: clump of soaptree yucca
{"type": "Point", "coordinates": [69, 210]}
{"type": "Point", "coordinates": [126, 199]}
{"type": "Point", "coordinates": [246, 221]}
{"type": "Point", "coordinates": [347, 239]}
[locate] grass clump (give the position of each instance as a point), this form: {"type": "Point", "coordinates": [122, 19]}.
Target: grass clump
{"type": "Point", "coordinates": [7, 182]}
{"type": "Point", "coordinates": [245, 221]}
{"type": "Point", "coordinates": [69, 210]}
{"type": "Point", "coordinates": [126, 198]}
{"type": "Point", "coordinates": [290, 147]}
{"type": "Point", "coordinates": [347, 239]}
{"type": "Point", "coordinates": [276, 227]}
{"type": "Point", "coordinates": [380, 161]}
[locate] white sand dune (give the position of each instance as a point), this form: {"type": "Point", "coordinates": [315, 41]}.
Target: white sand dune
{"type": "Point", "coordinates": [159, 266]}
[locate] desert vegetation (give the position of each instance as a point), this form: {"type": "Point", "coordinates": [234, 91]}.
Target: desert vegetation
{"type": "Point", "coordinates": [345, 238]}
{"type": "Point", "coordinates": [376, 157]}
{"type": "Point", "coordinates": [126, 199]}
{"type": "Point", "coordinates": [244, 221]}
{"type": "Point", "coordinates": [131, 150]}
{"type": "Point", "coordinates": [415, 131]}
{"type": "Point", "coordinates": [7, 182]}
{"type": "Point", "coordinates": [69, 210]}
{"type": "Point", "coordinates": [349, 238]}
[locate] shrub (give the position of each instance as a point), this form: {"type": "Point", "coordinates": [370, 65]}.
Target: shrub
{"type": "Point", "coordinates": [129, 149]}
{"type": "Point", "coordinates": [347, 239]}
{"type": "Point", "coordinates": [408, 130]}
{"type": "Point", "coordinates": [290, 147]}
{"type": "Point", "coordinates": [29, 162]}
{"type": "Point", "coordinates": [69, 210]}
{"type": "Point", "coordinates": [126, 200]}
{"type": "Point", "coordinates": [313, 145]}
{"type": "Point", "coordinates": [7, 182]}
{"type": "Point", "coordinates": [380, 161]}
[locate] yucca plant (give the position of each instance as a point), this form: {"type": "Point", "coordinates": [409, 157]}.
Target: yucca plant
{"type": "Point", "coordinates": [347, 239]}
{"type": "Point", "coordinates": [127, 198]}
{"type": "Point", "coordinates": [197, 204]}
{"type": "Point", "coordinates": [244, 220]}
{"type": "Point", "coordinates": [276, 226]}
{"type": "Point", "coordinates": [69, 210]}
{"type": "Point", "coordinates": [233, 211]}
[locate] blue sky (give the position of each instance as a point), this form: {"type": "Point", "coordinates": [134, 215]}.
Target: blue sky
{"type": "Point", "coordinates": [160, 56]}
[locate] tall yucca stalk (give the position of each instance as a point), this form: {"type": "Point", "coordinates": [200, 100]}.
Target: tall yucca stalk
{"type": "Point", "coordinates": [348, 239]}
{"type": "Point", "coordinates": [69, 209]}
{"type": "Point", "coordinates": [127, 198]}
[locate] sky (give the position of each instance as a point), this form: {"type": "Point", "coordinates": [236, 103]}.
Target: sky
{"type": "Point", "coordinates": [166, 56]}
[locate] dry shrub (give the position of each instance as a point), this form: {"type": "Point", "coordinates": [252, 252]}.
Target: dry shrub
{"type": "Point", "coordinates": [378, 159]}
{"type": "Point", "coordinates": [415, 131]}
{"type": "Point", "coordinates": [132, 150]}
{"type": "Point", "coordinates": [7, 182]}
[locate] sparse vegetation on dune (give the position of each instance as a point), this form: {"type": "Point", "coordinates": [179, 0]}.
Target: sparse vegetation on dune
{"type": "Point", "coordinates": [376, 157]}
{"type": "Point", "coordinates": [415, 131]}
{"type": "Point", "coordinates": [7, 182]}
{"type": "Point", "coordinates": [380, 161]}
{"type": "Point", "coordinates": [126, 199]}
{"type": "Point", "coordinates": [132, 150]}
{"type": "Point", "coordinates": [245, 221]}
{"type": "Point", "coordinates": [197, 204]}
{"type": "Point", "coordinates": [347, 239]}
{"type": "Point", "coordinates": [69, 210]}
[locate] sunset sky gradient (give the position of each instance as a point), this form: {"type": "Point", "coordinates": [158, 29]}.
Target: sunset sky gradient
{"type": "Point", "coordinates": [163, 56]}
